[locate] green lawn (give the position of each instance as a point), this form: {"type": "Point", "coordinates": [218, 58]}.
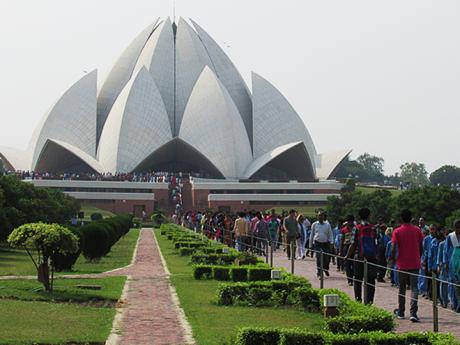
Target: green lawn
{"type": "Point", "coordinates": [120, 256]}
{"type": "Point", "coordinates": [89, 210]}
{"type": "Point", "coordinates": [16, 261]}
{"type": "Point", "coordinates": [24, 322]}
{"type": "Point", "coordinates": [393, 191]}
{"type": "Point", "coordinates": [65, 290]}
{"type": "Point", "coordinates": [213, 324]}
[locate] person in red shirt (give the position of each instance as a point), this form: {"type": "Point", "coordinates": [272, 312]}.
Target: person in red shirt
{"type": "Point", "coordinates": [408, 240]}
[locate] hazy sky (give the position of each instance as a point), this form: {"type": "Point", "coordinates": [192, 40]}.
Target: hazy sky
{"type": "Point", "coordinates": [374, 76]}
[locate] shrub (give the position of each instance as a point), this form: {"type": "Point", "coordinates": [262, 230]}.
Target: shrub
{"type": "Point", "coordinates": [299, 337]}
{"type": "Point", "coordinates": [96, 216]}
{"type": "Point", "coordinates": [65, 262]}
{"type": "Point", "coordinates": [202, 271]}
{"type": "Point", "coordinates": [259, 273]}
{"type": "Point", "coordinates": [295, 336]}
{"type": "Point", "coordinates": [186, 251]}
{"type": "Point", "coordinates": [96, 243]}
{"type": "Point", "coordinates": [239, 274]}
{"type": "Point", "coordinates": [377, 321]}
{"type": "Point", "coordinates": [259, 336]}
{"type": "Point", "coordinates": [260, 296]}
{"type": "Point", "coordinates": [308, 298]}
{"type": "Point", "coordinates": [221, 273]}
{"type": "Point", "coordinates": [246, 258]}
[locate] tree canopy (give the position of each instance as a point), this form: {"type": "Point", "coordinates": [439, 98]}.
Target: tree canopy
{"type": "Point", "coordinates": [447, 175]}
{"type": "Point", "coordinates": [21, 202]}
{"type": "Point", "coordinates": [47, 241]}
{"type": "Point", "coordinates": [414, 173]}
{"type": "Point", "coordinates": [366, 168]}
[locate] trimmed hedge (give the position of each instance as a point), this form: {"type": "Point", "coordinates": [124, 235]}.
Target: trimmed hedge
{"type": "Point", "coordinates": [234, 273]}
{"type": "Point", "coordinates": [296, 336]}
{"type": "Point", "coordinates": [259, 273]}
{"type": "Point", "coordinates": [220, 273]}
{"type": "Point", "coordinates": [186, 251]}
{"type": "Point", "coordinates": [224, 259]}
{"type": "Point", "coordinates": [101, 235]}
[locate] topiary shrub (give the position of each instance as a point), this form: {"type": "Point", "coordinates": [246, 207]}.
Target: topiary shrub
{"type": "Point", "coordinates": [96, 216]}
{"type": "Point", "coordinates": [186, 251]}
{"type": "Point", "coordinates": [299, 337]}
{"type": "Point", "coordinates": [221, 273]}
{"type": "Point", "coordinates": [308, 298]}
{"type": "Point", "coordinates": [260, 296]}
{"type": "Point", "coordinates": [239, 274]}
{"type": "Point", "coordinates": [259, 273]}
{"type": "Point", "coordinates": [259, 336]}
{"type": "Point", "coordinates": [97, 242]}
{"type": "Point", "coordinates": [65, 262]}
{"type": "Point", "coordinates": [202, 271]}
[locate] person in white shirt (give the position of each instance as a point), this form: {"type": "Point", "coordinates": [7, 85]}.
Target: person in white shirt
{"type": "Point", "coordinates": [321, 239]}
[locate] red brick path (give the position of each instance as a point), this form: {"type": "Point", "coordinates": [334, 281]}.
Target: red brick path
{"type": "Point", "coordinates": [149, 315]}
{"type": "Point", "coordinates": [386, 297]}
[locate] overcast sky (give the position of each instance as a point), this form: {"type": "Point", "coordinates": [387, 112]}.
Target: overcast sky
{"type": "Point", "coordinates": [375, 76]}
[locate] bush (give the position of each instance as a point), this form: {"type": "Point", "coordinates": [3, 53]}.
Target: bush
{"type": "Point", "coordinates": [65, 262]}
{"type": "Point", "coordinates": [246, 258]}
{"type": "Point", "coordinates": [96, 243]}
{"type": "Point", "coordinates": [375, 321]}
{"type": "Point", "coordinates": [186, 251]}
{"type": "Point", "coordinates": [96, 216]}
{"type": "Point", "coordinates": [299, 337]}
{"type": "Point", "coordinates": [239, 274]}
{"type": "Point", "coordinates": [259, 336]}
{"type": "Point", "coordinates": [221, 273]}
{"type": "Point", "coordinates": [202, 271]}
{"type": "Point", "coordinates": [260, 296]}
{"type": "Point", "coordinates": [259, 273]}
{"type": "Point", "coordinates": [308, 298]}
{"type": "Point", "coordinates": [295, 336]}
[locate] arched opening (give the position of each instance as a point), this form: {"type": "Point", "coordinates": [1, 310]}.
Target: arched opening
{"type": "Point", "coordinates": [178, 156]}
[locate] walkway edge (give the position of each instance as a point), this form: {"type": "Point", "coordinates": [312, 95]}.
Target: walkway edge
{"type": "Point", "coordinates": [188, 333]}
{"type": "Point", "coordinates": [114, 336]}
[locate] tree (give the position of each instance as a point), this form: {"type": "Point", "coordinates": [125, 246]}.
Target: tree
{"type": "Point", "coordinates": [366, 168]}
{"type": "Point", "coordinates": [23, 203]}
{"type": "Point", "coordinates": [373, 164]}
{"type": "Point", "coordinates": [380, 202]}
{"type": "Point", "coordinates": [447, 175]}
{"type": "Point", "coordinates": [48, 241]}
{"type": "Point", "coordinates": [414, 173]}
{"type": "Point", "coordinates": [434, 203]}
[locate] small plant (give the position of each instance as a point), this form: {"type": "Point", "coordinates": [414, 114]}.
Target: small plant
{"type": "Point", "coordinates": [48, 240]}
{"type": "Point", "coordinates": [96, 216]}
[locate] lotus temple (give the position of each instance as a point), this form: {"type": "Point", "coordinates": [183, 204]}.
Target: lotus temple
{"type": "Point", "coordinates": [174, 102]}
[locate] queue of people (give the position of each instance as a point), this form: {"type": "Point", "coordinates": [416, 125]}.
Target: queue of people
{"type": "Point", "coordinates": [407, 254]}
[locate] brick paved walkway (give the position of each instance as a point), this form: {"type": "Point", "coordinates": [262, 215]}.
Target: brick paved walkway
{"type": "Point", "coordinates": [150, 316]}
{"type": "Point", "coordinates": [385, 296]}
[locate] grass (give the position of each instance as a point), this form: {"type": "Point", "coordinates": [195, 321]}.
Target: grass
{"type": "Point", "coordinates": [65, 290]}
{"type": "Point", "coordinates": [214, 324]}
{"type": "Point", "coordinates": [24, 322]}
{"type": "Point", "coordinates": [120, 256]}
{"type": "Point", "coordinates": [89, 210]}
{"type": "Point", "coordinates": [367, 190]}
{"type": "Point", "coordinates": [16, 261]}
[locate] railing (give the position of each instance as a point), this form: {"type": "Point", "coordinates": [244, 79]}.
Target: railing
{"type": "Point", "coordinates": [268, 245]}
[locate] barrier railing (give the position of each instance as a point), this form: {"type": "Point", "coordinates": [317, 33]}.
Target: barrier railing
{"type": "Point", "coordinates": [267, 250]}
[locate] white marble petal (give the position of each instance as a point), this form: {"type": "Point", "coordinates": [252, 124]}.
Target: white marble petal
{"type": "Point", "coordinates": [191, 59]}
{"type": "Point", "coordinates": [119, 75]}
{"type": "Point", "coordinates": [327, 162]}
{"type": "Point", "coordinates": [213, 126]}
{"type": "Point", "coordinates": [71, 119]}
{"type": "Point", "coordinates": [137, 125]}
{"type": "Point", "coordinates": [229, 76]}
{"type": "Point", "coordinates": [158, 57]}
{"type": "Point", "coordinates": [275, 121]}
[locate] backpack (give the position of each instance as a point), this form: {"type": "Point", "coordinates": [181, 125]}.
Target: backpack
{"type": "Point", "coordinates": [367, 236]}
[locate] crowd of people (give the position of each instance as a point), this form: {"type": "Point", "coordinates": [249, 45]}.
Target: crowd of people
{"type": "Point", "coordinates": [407, 253]}
{"type": "Point", "coordinates": [152, 177]}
